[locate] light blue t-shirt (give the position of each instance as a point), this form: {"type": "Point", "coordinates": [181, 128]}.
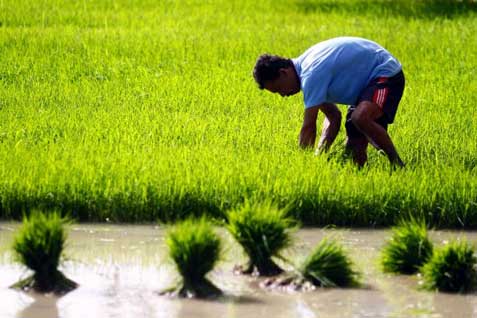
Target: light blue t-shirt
{"type": "Point", "coordinates": [337, 70]}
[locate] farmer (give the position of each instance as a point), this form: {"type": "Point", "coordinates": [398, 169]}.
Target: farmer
{"type": "Point", "coordinates": [345, 70]}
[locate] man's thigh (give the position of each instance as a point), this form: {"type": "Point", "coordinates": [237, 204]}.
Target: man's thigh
{"type": "Point", "coordinates": [385, 94]}
{"type": "Point", "coordinates": [353, 132]}
{"type": "Point", "coordinates": [355, 138]}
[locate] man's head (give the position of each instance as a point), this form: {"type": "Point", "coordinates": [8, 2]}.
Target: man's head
{"type": "Point", "coordinates": [276, 74]}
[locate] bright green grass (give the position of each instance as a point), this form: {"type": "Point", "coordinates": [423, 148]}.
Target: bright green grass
{"type": "Point", "coordinates": [139, 110]}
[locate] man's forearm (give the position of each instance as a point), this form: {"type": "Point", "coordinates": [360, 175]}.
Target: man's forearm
{"type": "Point", "coordinates": [308, 130]}
{"type": "Point", "coordinates": [331, 127]}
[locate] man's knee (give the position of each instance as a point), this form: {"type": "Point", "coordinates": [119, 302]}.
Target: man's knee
{"type": "Point", "coordinates": [365, 113]}
{"type": "Point", "coordinates": [360, 117]}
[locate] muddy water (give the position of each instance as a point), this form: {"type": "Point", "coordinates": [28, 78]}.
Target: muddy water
{"type": "Point", "coordinates": [120, 270]}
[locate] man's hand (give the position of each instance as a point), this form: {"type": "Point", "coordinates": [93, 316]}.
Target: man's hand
{"type": "Point", "coordinates": [331, 126]}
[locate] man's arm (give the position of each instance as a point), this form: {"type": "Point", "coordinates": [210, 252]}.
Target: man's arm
{"type": "Point", "coordinates": [308, 130]}
{"type": "Point", "coordinates": [331, 126]}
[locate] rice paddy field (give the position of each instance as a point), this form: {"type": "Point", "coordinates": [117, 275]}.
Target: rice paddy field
{"type": "Point", "coordinates": [146, 110]}
{"type": "Point", "coordinates": [121, 269]}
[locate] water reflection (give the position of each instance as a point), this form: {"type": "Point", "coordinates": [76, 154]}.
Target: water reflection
{"type": "Point", "coordinates": [117, 280]}
{"type": "Point", "coordinates": [337, 303]}
{"type": "Point", "coordinates": [44, 306]}
{"type": "Point", "coordinates": [303, 310]}
{"type": "Point", "coordinates": [455, 305]}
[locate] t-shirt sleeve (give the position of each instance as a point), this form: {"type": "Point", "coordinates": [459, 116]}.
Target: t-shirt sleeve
{"type": "Point", "coordinates": [315, 88]}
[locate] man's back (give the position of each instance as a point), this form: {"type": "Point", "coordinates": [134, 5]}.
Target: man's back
{"type": "Point", "coordinates": [337, 70]}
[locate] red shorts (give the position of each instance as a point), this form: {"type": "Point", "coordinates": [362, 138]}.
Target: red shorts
{"type": "Point", "coordinates": [386, 92]}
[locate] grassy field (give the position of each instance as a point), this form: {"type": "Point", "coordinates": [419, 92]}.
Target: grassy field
{"type": "Point", "coordinates": [139, 110]}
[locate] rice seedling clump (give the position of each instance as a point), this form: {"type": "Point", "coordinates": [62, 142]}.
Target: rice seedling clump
{"type": "Point", "coordinates": [263, 230]}
{"type": "Point", "coordinates": [39, 246]}
{"type": "Point", "coordinates": [451, 268]}
{"type": "Point", "coordinates": [408, 249]}
{"type": "Point", "coordinates": [326, 266]}
{"type": "Point", "coordinates": [329, 266]}
{"type": "Point", "coordinates": [195, 249]}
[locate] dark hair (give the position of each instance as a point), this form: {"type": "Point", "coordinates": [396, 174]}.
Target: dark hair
{"type": "Point", "coordinates": [267, 68]}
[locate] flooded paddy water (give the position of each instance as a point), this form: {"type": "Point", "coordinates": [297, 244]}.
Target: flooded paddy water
{"type": "Point", "coordinates": [121, 269]}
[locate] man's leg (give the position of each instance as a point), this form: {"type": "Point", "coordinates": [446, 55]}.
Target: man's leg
{"type": "Point", "coordinates": [364, 118]}
{"type": "Point", "coordinates": [357, 147]}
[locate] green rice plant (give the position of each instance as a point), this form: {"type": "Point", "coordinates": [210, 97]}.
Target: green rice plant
{"type": "Point", "coordinates": [451, 268]}
{"type": "Point", "coordinates": [408, 249]}
{"type": "Point", "coordinates": [329, 266]}
{"type": "Point", "coordinates": [87, 125]}
{"type": "Point", "coordinates": [263, 230]}
{"type": "Point", "coordinates": [39, 246]}
{"type": "Point", "coordinates": [195, 249]}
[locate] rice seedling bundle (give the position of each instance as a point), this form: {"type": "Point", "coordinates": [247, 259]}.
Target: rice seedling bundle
{"type": "Point", "coordinates": [195, 249]}
{"type": "Point", "coordinates": [452, 268]}
{"type": "Point", "coordinates": [408, 249]}
{"type": "Point", "coordinates": [263, 231]}
{"type": "Point", "coordinates": [39, 245]}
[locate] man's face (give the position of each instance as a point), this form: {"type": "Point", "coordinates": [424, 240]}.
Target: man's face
{"type": "Point", "coordinates": [285, 84]}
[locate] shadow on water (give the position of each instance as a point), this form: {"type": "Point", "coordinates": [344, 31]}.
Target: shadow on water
{"type": "Point", "coordinates": [425, 9]}
{"type": "Point", "coordinates": [42, 306]}
{"type": "Point", "coordinates": [242, 299]}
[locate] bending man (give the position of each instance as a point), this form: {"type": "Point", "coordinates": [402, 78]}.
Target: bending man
{"type": "Point", "coordinates": [345, 70]}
